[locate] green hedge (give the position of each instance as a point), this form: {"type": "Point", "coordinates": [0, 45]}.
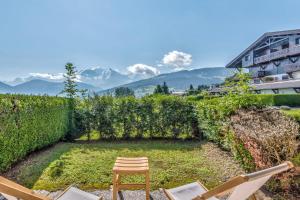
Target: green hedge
{"type": "Point", "coordinates": [28, 123]}
{"type": "Point", "coordinates": [280, 99]}
{"type": "Point", "coordinates": [149, 117]}
{"type": "Point", "coordinates": [295, 113]}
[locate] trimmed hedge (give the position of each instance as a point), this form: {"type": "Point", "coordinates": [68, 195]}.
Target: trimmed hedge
{"type": "Point", "coordinates": [280, 99]}
{"type": "Point", "coordinates": [155, 116]}
{"type": "Point", "coordinates": [28, 123]}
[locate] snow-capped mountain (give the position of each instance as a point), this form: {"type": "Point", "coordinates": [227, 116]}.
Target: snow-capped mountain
{"type": "Point", "coordinates": [105, 80]}
{"type": "Point", "coordinates": [103, 77]}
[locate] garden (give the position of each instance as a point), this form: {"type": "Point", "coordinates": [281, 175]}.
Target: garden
{"type": "Point", "coordinates": [45, 144]}
{"type": "Point", "coordinates": [48, 143]}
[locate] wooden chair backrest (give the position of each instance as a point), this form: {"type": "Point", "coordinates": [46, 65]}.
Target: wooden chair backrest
{"type": "Point", "coordinates": [242, 187]}
{"type": "Point", "coordinates": [13, 189]}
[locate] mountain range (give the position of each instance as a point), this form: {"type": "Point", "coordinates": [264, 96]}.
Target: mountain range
{"type": "Point", "coordinates": [40, 87]}
{"type": "Point", "coordinates": [177, 81]}
{"type": "Point", "coordinates": [106, 80]}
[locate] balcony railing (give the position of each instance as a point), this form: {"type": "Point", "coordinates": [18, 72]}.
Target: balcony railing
{"type": "Point", "coordinates": [260, 74]}
{"type": "Point", "coordinates": [292, 67]}
{"type": "Point", "coordinates": [278, 54]}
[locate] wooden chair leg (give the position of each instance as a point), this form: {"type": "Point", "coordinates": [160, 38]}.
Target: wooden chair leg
{"type": "Point", "coordinates": [118, 180]}
{"type": "Point", "coordinates": [115, 190]}
{"type": "Point", "coordinates": [147, 182]}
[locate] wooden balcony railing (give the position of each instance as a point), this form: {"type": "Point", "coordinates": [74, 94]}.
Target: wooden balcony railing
{"type": "Point", "coordinates": [292, 68]}
{"type": "Point", "coordinates": [278, 54]}
{"type": "Point", "coordinates": [260, 74]}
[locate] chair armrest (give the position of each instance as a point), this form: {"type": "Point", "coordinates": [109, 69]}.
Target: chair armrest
{"type": "Point", "coordinates": [224, 188]}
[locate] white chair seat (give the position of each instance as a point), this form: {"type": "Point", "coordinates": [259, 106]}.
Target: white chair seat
{"type": "Point", "coordinates": [188, 192]}
{"type": "Point", "coordinates": [75, 194]}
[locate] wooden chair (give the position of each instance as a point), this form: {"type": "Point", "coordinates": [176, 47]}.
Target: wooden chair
{"type": "Point", "coordinates": [13, 189]}
{"type": "Point", "coordinates": [131, 166]}
{"type": "Point", "coordinates": [239, 188]}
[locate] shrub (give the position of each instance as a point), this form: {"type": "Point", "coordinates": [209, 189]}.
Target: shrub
{"type": "Point", "coordinates": [276, 133]}
{"type": "Point", "coordinates": [287, 100]}
{"type": "Point", "coordinates": [295, 114]}
{"type": "Point", "coordinates": [150, 116]}
{"type": "Point", "coordinates": [268, 135]}
{"type": "Point", "coordinates": [214, 113]}
{"type": "Point", "coordinates": [280, 99]}
{"type": "Point", "coordinates": [28, 123]}
{"type": "Point", "coordinates": [195, 97]}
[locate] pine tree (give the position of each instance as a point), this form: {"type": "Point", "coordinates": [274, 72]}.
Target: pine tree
{"type": "Point", "coordinates": [158, 90]}
{"type": "Point", "coordinates": [123, 92]}
{"type": "Point", "coordinates": [191, 90]}
{"type": "Point", "coordinates": [165, 88]}
{"type": "Point", "coordinates": [191, 87]}
{"type": "Point", "coordinates": [70, 88]}
{"type": "Point", "coordinates": [71, 91]}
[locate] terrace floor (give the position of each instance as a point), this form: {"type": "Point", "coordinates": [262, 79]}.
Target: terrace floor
{"type": "Point", "coordinates": [89, 166]}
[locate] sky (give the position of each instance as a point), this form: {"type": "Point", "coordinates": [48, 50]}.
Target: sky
{"type": "Point", "coordinates": [133, 36]}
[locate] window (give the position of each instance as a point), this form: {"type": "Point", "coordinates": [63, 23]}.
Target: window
{"type": "Point", "coordinates": [247, 57]}
{"type": "Point", "coordinates": [297, 41]}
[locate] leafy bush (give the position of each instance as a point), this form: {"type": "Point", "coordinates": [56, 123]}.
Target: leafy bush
{"type": "Point", "coordinates": [216, 123]}
{"type": "Point", "coordinates": [195, 97]}
{"type": "Point", "coordinates": [28, 123]}
{"type": "Point", "coordinates": [148, 117]}
{"type": "Point", "coordinates": [280, 99]}
{"type": "Point", "coordinates": [268, 135]}
{"type": "Point", "coordinates": [214, 113]}
{"type": "Point", "coordinates": [287, 100]}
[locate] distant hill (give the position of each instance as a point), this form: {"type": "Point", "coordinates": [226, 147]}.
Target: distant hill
{"type": "Point", "coordinates": [42, 87]}
{"type": "Point", "coordinates": [180, 80]}
{"type": "Point", "coordinates": [99, 77]}
{"type": "Point", "coordinates": [4, 88]}
{"type": "Point", "coordinates": [93, 78]}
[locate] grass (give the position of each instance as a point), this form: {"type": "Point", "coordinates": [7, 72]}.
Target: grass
{"type": "Point", "coordinates": [294, 113]}
{"type": "Point", "coordinates": [89, 166]}
{"type": "Point", "coordinates": [296, 160]}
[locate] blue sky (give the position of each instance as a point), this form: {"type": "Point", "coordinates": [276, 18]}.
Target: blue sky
{"type": "Point", "coordinates": [40, 36]}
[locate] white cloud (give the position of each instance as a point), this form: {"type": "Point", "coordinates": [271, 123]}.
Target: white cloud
{"type": "Point", "coordinates": [142, 69]}
{"type": "Point", "coordinates": [177, 59]}
{"type": "Point", "coordinates": [52, 77]}
{"type": "Point", "coordinates": [58, 76]}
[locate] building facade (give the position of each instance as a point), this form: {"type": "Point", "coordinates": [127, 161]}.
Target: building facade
{"type": "Point", "coordinates": [273, 62]}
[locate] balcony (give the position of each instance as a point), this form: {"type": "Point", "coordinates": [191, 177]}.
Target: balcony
{"type": "Point", "coordinates": [292, 68]}
{"type": "Point", "coordinates": [260, 74]}
{"type": "Point", "coordinates": [278, 54]}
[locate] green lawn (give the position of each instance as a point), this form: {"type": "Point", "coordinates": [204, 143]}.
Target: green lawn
{"type": "Point", "coordinates": [90, 165]}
